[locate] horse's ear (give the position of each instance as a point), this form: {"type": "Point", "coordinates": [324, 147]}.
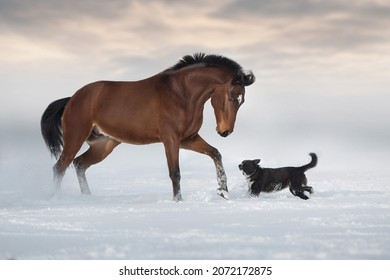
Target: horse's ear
{"type": "Point", "coordinates": [249, 79]}
{"type": "Point", "coordinates": [244, 79]}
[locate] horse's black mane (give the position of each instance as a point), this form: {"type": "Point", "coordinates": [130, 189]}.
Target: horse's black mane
{"type": "Point", "coordinates": [208, 60]}
{"type": "Point", "coordinates": [215, 61]}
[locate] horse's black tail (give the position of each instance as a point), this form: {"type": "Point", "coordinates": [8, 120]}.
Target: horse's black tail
{"type": "Point", "coordinates": [51, 123]}
{"type": "Point", "coordinates": [312, 163]}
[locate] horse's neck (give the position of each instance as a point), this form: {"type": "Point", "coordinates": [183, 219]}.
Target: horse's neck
{"type": "Point", "coordinates": [202, 83]}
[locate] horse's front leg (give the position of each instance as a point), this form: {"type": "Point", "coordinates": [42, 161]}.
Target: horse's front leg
{"type": "Point", "coordinates": [197, 144]}
{"type": "Point", "coordinates": [172, 153]}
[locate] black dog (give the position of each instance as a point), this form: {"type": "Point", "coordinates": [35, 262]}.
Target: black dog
{"type": "Point", "coordinates": [275, 179]}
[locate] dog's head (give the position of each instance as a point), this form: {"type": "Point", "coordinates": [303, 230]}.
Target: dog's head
{"type": "Point", "coordinates": [249, 167]}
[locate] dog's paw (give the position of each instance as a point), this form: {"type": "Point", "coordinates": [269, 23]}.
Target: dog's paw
{"type": "Point", "coordinates": [309, 190]}
{"type": "Point", "coordinates": [302, 194]}
{"type": "Point", "coordinates": [307, 194]}
{"type": "Point", "coordinates": [253, 195]}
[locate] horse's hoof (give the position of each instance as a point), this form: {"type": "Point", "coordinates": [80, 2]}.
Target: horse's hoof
{"type": "Point", "coordinates": [177, 198]}
{"type": "Point", "coordinates": [223, 194]}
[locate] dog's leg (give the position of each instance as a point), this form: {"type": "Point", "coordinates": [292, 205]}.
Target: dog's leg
{"type": "Point", "coordinates": [253, 194]}
{"type": "Point", "coordinates": [293, 191]}
{"type": "Point", "coordinates": [300, 193]}
{"type": "Point", "coordinates": [308, 189]}
{"type": "Point", "coordinates": [298, 186]}
{"type": "Point", "coordinates": [255, 189]}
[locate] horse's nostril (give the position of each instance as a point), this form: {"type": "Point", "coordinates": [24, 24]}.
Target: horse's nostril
{"type": "Point", "coordinates": [225, 133]}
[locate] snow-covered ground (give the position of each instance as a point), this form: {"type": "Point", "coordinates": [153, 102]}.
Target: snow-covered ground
{"type": "Point", "coordinates": [131, 215]}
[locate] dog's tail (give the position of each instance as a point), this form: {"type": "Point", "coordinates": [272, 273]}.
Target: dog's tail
{"type": "Point", "coordinates": [311, 164]}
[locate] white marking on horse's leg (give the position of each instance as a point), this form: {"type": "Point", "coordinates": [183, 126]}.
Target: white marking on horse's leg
{"type": "Point", "coordinates": [84, 188]}
{"type": "Point", "coordinates": [222, 180]}
{"type": "Point", "coordinates": [83, 183]}
{"type": "Point", "coordinates": [57, 185]}
{"type": "Point", "coordinates": [223, 194]}
{"type": "Point", "coordinates": [59, 170]}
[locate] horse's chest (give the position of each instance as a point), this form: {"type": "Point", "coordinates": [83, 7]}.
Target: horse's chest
{"type": "Point", "coordinates": [192, 126]}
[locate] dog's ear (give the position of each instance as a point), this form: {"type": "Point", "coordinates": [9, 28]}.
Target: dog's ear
{"type": "Point", "coordinates": [256, 161]}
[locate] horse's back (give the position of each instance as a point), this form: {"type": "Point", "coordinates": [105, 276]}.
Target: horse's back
{"type": "Point", "coordinates": [126, 111]}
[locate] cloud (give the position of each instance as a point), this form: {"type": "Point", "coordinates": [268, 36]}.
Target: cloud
{"type": "Point", "coordinates": [319, 32]}
{"type": "Point", "coordinates": [82, 29]}
{"type": "Point", "coordinates": [104, 31]}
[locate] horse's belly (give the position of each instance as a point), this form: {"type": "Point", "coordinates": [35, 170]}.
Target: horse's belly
{"type": "Point", "coordinates": [131, 135]}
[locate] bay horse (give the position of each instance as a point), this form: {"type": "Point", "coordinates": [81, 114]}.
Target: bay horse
{"type": "Point", "coordinates": [167, 107]}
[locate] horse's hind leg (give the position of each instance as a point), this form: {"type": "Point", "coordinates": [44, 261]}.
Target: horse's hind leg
{"type": "Point", "coordinates": [68, 154]}
{"type": "Point", "coordinates": [197, 144]}
{"type": "Point", "coordinates": [59, 170]}
{"type": "Point", "coordinates": [98, 150]}
{"type": "Point", "coordinates": [73, 140]}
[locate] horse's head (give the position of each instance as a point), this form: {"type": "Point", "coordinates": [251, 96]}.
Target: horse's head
{"type": "Point", "coordinates": [226, 101]}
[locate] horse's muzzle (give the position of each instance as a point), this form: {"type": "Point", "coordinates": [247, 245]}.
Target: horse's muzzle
{"type": "Point", "coordinates": [225, 133]}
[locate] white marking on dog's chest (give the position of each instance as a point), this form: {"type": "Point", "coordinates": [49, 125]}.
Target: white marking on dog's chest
{"type": "Point", "coordinates": [250, 183]}
{"type": "Point", "coordinates": [248, 179]}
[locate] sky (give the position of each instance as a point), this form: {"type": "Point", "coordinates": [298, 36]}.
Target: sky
{"type": "Point", "coordinates": [322, 67]}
